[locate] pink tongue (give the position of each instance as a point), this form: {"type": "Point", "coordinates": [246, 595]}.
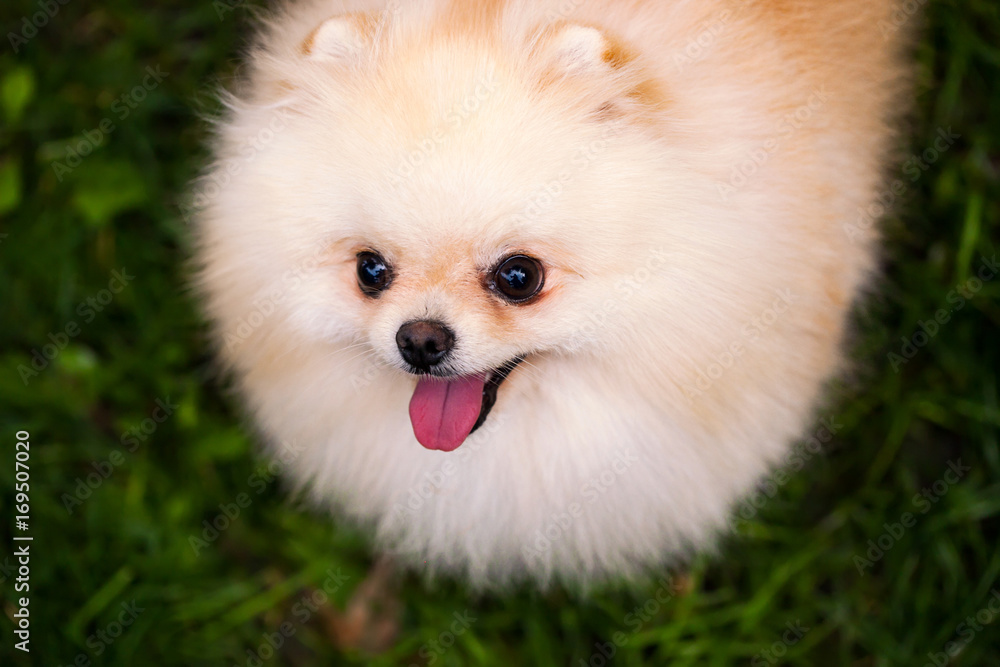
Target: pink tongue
{"type": "Point", "coordinates": [443, 412]}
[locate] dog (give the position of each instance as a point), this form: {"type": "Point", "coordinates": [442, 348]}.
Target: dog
{"type": "Point", "coordinates": [537, 291]}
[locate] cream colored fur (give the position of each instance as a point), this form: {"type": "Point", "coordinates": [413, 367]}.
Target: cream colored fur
{"type": "Point", "coordinates": [605, 139]}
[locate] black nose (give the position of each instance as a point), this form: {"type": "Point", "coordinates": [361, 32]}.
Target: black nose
{"type": "Point", "coordinates": [424, 344]}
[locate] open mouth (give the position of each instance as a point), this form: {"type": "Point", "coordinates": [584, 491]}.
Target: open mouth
{"type": "Point", "coordinates": [445, 411]}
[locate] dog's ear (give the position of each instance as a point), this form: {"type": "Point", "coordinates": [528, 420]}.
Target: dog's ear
{"type": "Point", "coordinates": [579, 49]}
{"type": "Point", "coordinates": [596, 70]}
{"type": "Point", "coordinates": [344, 39]}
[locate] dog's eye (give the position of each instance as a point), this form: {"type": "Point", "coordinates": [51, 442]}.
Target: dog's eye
{"type": "Point", "coordinates": [374, 274]}
{"type": "Point", "coordinates": [518, 278]}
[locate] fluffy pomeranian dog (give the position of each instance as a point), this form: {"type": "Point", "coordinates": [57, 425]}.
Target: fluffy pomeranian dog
{"type": "Point", "coordinates": [538, 290]}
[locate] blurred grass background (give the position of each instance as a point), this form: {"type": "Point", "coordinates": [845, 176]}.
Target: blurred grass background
{"type": "Point", "coordinates": [63, 233]}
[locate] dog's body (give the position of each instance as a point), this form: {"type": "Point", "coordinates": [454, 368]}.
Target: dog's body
{"type": "Point", "coordinates": [688, 176]}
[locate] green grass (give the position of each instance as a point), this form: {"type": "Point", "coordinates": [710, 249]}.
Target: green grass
{"type": "Point", "coordinates": [793, 562]}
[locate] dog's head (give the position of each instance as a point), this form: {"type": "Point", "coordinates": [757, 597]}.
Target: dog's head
{"type": "Point", "coordinates": [473, 203]}
{"type": "Point", "coordinates": [470, 210]}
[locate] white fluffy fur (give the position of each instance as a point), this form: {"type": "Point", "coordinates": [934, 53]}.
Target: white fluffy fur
{"type": "Point", "coordinates": [613, 172]}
